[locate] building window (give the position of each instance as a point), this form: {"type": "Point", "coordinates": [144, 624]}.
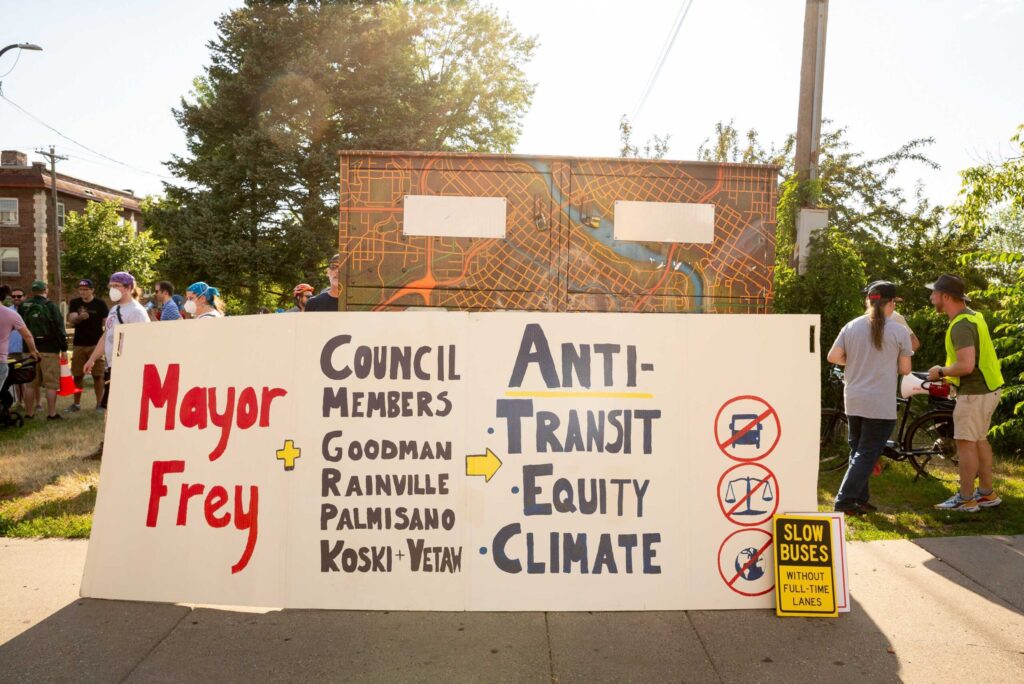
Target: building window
{"type": "Point", "coordinates": [10, 261]}
{"type": "Point", "coordinates": [8, 211]}
{"type": "Point", "coordinates": [60, 214]}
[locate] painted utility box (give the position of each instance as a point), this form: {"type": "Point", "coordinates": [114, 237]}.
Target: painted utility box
{"type": "Point", "coordinates": [505, 232]}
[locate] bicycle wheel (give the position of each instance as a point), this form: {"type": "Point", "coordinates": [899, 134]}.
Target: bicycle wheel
{"type": "Point", "coordinates": [930, 447]}
{"type": "Point", "coordinates": [834, 447]}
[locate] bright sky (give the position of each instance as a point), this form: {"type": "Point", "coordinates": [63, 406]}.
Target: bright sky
{"type": "Point", "coordinates": [111, 71]}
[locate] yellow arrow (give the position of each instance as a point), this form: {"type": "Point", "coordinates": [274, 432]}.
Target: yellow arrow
{"type": "Point", "coordinates": [483, 464]}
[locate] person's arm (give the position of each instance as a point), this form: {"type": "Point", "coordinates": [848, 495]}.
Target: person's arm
{"type": "Point", "coordinates": [62, 335]}
{"type": "Point", "coordinates": [29, 340]}
{"type": "Point", "coordinates": [94, 357]}
{"type": "Point", "coordinates": [74, 318]}
{"type": "Point", "coordinates": [905, 365]}
{"type": "Point", "coordinates": [837, 354]}
{"type": "Point", "coordinates": [964, 365]}
{"type": "Point", "coordinates": [963, 335]}
{"type": "Point", "coordinates": [915, 343]}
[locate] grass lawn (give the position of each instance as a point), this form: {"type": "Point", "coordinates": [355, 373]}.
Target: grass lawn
{"type": "Point", "coordinates": [905, 506]}
{"type": "Point", "coordinates": [48, 490]}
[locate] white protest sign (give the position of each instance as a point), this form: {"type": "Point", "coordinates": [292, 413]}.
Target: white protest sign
{"type": "Point", "coordinates": [455, 461]}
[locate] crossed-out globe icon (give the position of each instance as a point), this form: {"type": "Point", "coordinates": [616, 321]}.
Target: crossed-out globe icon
{"type": "Point", "coordinates": [747, 570]}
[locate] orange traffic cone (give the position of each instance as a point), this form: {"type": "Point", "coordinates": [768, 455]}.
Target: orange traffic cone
{"type": "Point", "coordinates": [67, 383]}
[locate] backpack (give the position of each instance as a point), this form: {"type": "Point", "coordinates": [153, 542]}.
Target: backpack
{"type": "Point", "coordinates": [38, 319]}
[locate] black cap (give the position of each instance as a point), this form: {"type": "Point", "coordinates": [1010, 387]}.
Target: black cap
{"type": "Point", "coordinates": [951, 285]}
{"type": "Point", "coordinates": [880, 289]}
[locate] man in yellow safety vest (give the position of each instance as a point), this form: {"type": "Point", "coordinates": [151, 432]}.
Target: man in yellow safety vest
{"type": "Point", "coordinates": [972, 365]}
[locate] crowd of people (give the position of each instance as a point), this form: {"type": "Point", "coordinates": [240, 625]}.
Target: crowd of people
{"type": "Point", "coordinates": [33, 327]}
{"type": "Point", "coordinates": [878, 345]}
{"type": "Point", "coordinates": [874, 348]}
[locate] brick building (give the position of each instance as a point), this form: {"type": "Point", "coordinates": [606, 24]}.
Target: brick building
{"type": "Point", "coordinates": [26, 245]}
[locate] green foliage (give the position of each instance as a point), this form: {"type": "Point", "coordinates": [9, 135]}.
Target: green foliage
{"type": "Point", "coordinates": [990, 208]}
{"type": "Point", "coordinates": [830, 287]}
{"type": "Point", "coordinates": [724, 146]}
{"type": "Point", "coordinates": [291, 84]}
{"type": "Point", "coordinates": [894, 237]}
{"type": "Point", "coordinates": [656, 146]}
{"type": "Point", "coordinates": [99, 242]}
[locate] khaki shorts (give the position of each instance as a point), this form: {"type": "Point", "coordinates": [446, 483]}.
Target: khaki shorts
{"type": "Point", "coordinates": [972, 416]}
{"type": "Point", "coordinates": [47, 372]}
{"type": "Point", "coordinates": [78, 359]}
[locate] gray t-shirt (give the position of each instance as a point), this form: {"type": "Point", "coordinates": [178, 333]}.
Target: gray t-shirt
{"type": "Point", "coordinates": [871, 373]}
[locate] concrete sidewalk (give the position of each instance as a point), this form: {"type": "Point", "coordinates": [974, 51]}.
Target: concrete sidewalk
{"type": "Point", "coordinates": [922, 612]}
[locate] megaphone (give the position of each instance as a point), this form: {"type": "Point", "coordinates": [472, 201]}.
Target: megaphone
{"type": "Point", "coordinates": [911, 385]}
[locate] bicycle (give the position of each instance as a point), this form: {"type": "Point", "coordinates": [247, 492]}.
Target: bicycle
{"type": "Point", "coordinates": [926, 441]}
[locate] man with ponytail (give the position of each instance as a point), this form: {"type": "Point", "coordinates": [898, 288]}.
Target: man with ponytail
{"type": "Point", "coordinates": [972, 365]}
{"type": "Point", "coordinates": [875, 349]}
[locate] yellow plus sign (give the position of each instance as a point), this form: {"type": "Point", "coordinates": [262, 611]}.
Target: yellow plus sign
{"type": "Point", "coordinates": [288, 453]}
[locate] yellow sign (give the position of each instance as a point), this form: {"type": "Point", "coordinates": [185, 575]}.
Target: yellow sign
{"type": "Point", "coordinates": [804, 567]}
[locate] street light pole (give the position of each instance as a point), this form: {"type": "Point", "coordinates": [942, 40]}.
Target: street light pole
{"type": "Point", "coordinates": [20, 46]}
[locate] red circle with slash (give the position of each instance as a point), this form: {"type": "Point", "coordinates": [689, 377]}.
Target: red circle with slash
{"type": "Point", "coordinates": [762, 546]}
{"type": "Point", "coordinates": [740, 509]}
{"type": "Point", "coordinates": [762, 411]}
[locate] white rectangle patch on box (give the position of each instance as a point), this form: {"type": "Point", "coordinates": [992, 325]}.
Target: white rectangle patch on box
{"type": "Point", "coordinates": [447, 216]}
{"type": "Point", "coordinates": [664, 222]}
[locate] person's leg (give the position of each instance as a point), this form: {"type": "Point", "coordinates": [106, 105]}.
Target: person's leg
{"type": "Point", "coordinates": [985, 477]}
{"type": "Point", "coordinates": [51, 402]}
{"type": "Point", "coordinates": [967, 455]}
{"type": "Point", "coordinates": [850, 487]}
{"type": "Point", "coordinates": [875, 435]}
{"type": "Point", "coordinates": [4, 368]}
{"type": "Point", "coordinates": [106, 389]}
{"type": "Point", "coordinates": [49, 366]}
{"type": "Point", "coordinates": [29, 394]}
{"type": "Point", "coordinates": [79, 383]}
{"type": "Point", "coordinates": [99, 373]}
{"type": "Point", "coordinates": [985, 465]}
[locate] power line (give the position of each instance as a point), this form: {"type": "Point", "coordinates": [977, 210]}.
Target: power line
{"type": "Point", "coordinates": [684, 9]}
{"type": "Point", "coordinates": [16, 60]}
{"type": "Point", "coordinates": [84, 147]}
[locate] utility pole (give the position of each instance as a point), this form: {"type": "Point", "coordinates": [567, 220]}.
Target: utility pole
{"type": "Point", "coordinates": [812, 81]}
{"type": "Point", "coordinates": [808, 123]}
{"type": "Point", "coordinates": [53, 158]}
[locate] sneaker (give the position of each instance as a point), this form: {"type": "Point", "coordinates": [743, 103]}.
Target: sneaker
{"type": "Point", "coordinates": [959, 503]}
{"type": "Point", "coordinates": [867, 507]}
{"type": "Point", "coordinates": [990, 500]}
{"type": "Point", "coordinates": [850, 509]}
{"type": "Point", "coordinates": [55, 416]}
{"type": "Point", "coordinates": [73, 408]}
{"type": "Point", "coordinates": [100, 409]}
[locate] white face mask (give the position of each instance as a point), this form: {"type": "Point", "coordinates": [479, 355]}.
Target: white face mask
{"type": "Point", "coordinates": [115, 294]}
{"type": "Point", "coordinates": [190, 307]}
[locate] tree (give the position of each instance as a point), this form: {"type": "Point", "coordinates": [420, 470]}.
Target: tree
{"type": "Point", "coordinates": [875, 231]}
{"type": "Point", "coordinates": [656, 146]}
{"type": "Point", "coordinates": [990, 209]}
{"type": "Point", "coordinates": [99, 242]}
{"type": "Point", "coordinates": [724, 146]}
{"type": "Point", "coordinates": [290, 84]}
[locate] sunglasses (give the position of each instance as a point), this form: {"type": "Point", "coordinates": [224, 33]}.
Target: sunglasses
{"type": "Point", "coordinates": [14, 296]}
